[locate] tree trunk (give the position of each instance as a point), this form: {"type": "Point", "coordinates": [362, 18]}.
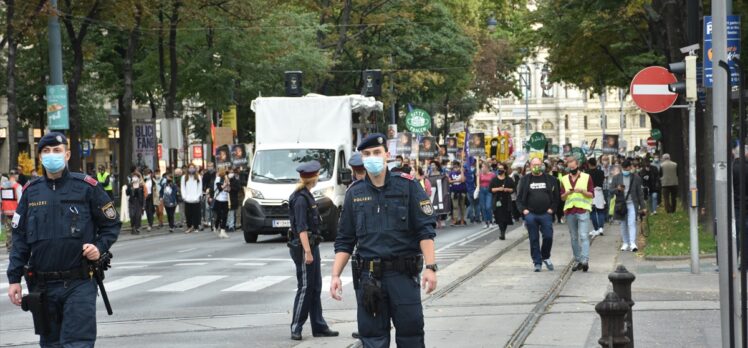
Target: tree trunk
{"type": "Point", "coordinates": [11, 85]}
{"type": "Point", "coordinates": [125, 121]}
{"type": "Point", "coordinates": [76, 43]}
{"type": "Point", "coordinates": [171, 94]}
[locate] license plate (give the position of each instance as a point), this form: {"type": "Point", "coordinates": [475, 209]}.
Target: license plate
{"type": "Point", "coordinates": [281, 223]}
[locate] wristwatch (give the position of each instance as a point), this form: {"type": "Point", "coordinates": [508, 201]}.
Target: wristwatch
{"type": "Point", "coordinates": [434, 267]}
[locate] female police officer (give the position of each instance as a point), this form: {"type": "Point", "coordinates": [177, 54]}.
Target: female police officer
{"type": "Point", "coordinates": [304, 249]}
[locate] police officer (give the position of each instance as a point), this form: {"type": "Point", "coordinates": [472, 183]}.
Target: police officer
{"type": "Point", "coordinates": [390, 220]}
{"type": "Point", "coordinates": [357, 165]}
{"type": "Point", "coordinates": [105, 179]}
{"type": "Point", "coordinates": [63, 221]}
{"type": "Point", "coordinates": [304, 248]}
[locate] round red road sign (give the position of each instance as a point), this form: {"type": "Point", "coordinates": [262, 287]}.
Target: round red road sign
{"type": "Point", "coordinates": [651, 142]}
{"type": "Point", "coordinates": [649, 89]}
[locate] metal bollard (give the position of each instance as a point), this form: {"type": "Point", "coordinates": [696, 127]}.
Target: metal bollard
{"type": "Point", "coordinates": [622, 279]}
{"type": "Point", "coordinates": [612, 311]}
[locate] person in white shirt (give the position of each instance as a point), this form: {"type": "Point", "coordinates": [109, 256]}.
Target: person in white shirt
{"type": "Point", "coordinates": [192, 189]}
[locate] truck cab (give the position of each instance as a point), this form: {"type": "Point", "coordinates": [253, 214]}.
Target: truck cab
{"type": "Point", "coordinates": [291, 131]}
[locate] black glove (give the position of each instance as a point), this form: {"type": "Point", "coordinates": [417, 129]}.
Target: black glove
{"type": "Point", "coordinates": [372, 296]}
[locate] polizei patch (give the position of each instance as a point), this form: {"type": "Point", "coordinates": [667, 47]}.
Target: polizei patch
{"type": "Point", "coordinates": [109, 211]}
{"type": "Point", "coordinates": [426, 207]}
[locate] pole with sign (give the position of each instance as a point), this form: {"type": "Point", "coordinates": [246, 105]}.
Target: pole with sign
{"type": "Point", "coordinates": [57, 107]}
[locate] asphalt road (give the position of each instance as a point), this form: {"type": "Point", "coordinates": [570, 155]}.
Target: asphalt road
{"type": "Point", "coordinates": [196, 290]}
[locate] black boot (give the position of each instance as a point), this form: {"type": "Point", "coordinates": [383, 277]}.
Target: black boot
{"type": "Point", "coordinates": [502, 236]}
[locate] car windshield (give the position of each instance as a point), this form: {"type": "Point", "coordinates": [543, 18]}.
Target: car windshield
{"type": "Point", "coordinates": [279, 166]}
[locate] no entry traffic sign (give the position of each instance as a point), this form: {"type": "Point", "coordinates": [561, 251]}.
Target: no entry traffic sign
{"type": "Point", "coordinates": [651, 142]}
{"type": "Point", "coordinates": [649, 89]}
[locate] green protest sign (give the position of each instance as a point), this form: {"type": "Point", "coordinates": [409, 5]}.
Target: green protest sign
{"type": "Point", "coordinates": [418, 121]}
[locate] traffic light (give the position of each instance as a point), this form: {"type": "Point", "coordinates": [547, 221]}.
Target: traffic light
{"type": "Point", "coordinates": [685, 87]}
{"type": "Point", "coordinates": [372, 83]}
{"type": "Point", "coordinates": [293, 83]}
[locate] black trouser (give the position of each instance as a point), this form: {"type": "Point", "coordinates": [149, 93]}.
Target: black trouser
{"type": "Point", "coordinates": [307, 303]}
{"type": "Point", "coordinates": [559, 211]}
{"type": "Point", "coordinates": [170, 215]}
{"type": "Point", "coordinates": [192, 213]}
{"type": "Point", "coordinates": [222, 212]}
{"type": "Point", "coordinates": [669, 196]}
{"type": "Point", "coordinates": [136, 213]}
{"type": "Point", "coordinates": [149, 209]}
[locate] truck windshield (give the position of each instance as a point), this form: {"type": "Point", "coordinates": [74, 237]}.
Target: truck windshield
{"type": "Point", "coordinates": [279, 166]}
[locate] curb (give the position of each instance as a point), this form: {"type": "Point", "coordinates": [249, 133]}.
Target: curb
{"type": "Point", "coordinates": [678, 258]}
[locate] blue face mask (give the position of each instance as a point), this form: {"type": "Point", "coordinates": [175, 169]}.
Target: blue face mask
{"type": "Point", "coordinates": [53, 162]}
{"type": "Point", "coordinates": [626, 173]}
{"type": "Point", "coordinates": [374, 165]}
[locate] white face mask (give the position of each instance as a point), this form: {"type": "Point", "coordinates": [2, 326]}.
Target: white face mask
{"type": "Point", "coordinates": [231, 175]}
{"type": "Point", "coordinates": [135, 180]}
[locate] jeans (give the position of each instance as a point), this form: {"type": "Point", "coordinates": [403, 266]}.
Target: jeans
{"type": "Point", "coordinates": [170, 216]}
{"type": "Point", "coordinates": [598, 218]}
{"type": "Point", "coordinates": [473, 213]}
{"type": "Point", "coordinates": [579, 228]}
{"type": "Point", "coordinates": [485, 197]}
{"type": "Point", "coordinates": [537, 224]}
{"type": "Point", "coordinates": [231, 221]}
{"type": "Point", "coordinates": [653, 201]}
{"type": "Point", "coordinates": [628, 225]}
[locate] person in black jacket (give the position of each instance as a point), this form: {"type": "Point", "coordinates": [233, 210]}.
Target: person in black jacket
{"type": "Point", "coordinates": [209, 178]}
{"type": "Point", "coordinates": [537, 197]}
{"type": "Point", "coordinates": [234, 188]}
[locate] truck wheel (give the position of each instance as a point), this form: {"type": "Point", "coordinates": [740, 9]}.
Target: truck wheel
{"type": "Point", "coordinates": [331, 230]}
{"type": "Point", "coordinates": [250, 237]}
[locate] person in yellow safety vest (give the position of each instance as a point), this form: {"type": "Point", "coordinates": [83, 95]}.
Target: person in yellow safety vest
{"type": "Point", "coordinates": [106, 181]}
{"type": "Point", "coordinates": [11, 194]}
{"type": "Point", "coordinates": [577, 190]}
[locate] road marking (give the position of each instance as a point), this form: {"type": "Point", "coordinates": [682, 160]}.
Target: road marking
{"type": "Point", "coordinates": [251, 264]}
{"type": "Point", "coordinates": [257, 284]}
{"type": "Point", "coordinates": [127, 282]}
{"type": "Point", "coordinates": [457, 242]}
{"type": "Point", "coordinates": [188, 284]}
{"type": "Point", "coordinates": [186, 250]}
{"type": "Point", "coordinates": [191, 264]}
{"type": "Point", "coordinates": [476, 237]}
{"type": "Point", "coordinates": [131, 267]}
{"type": "Point", "coordinates": [288, 259]}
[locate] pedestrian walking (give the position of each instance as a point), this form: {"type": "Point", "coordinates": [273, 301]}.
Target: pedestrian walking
{"type": "Point", "coordinates": [158, 183]}
{"type": "Point", "coordinates": [234, 203]}
{"type": "Point", "coordinates": [629, 201]}
{"type": "Point", "coordinates": [577, 191]}
{"type": "Point", "coordinates": [64, 221]}
{"type": "Point", "coordinates": [304, 249]}
{"type": "Point", "coordinates": [669, 183]}
{"type": "Point", "coordinates": [191, 190]}
{"type": "Point", "coordinates": [149, 207]}
{"type": "Point", "coordinates": [458, 190]}
{"type": "Point", "coordinates": [220, 203]}
{"type": "Point", "coordinates": [502, 187]}
{"type": "Point", "coordinates": [169, 199]}
{"type": "Point", "coordinates": [537, 197]}
{"type": "Point", "coordinates": [516, 176]}
{"type": "Point", "coordinates": [390, 221]}
{"type": "Point", "coordinates": [651, 184]}
{"type": "Point", "coordinates": [11, 195]}
{"type": "Point", "coordinates": [209, 178]}
{"type": "Point", "coordinates": [485, 197]}
{"type": "Point", "coordinates": [597, 215]}
{"type": "Point", "coordinates": [471, 202]}
{"type": "Point", "coordinates": [135, 200]}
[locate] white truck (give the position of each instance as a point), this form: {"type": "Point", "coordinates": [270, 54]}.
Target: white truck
{"type": "Point", "coordinates": [290, 131]}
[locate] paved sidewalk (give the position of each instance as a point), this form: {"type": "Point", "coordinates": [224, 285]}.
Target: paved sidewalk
{"type": "Point", "coordinates": [491, 308]}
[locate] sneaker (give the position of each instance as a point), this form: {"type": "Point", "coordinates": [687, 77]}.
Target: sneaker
{"type": "Point", "coordinates": [148, 228]}
{"type": "Point", "coordinates": [223, 234]}
{"type": "Point", "coordinates": [171, 230]}
{"type": "Point", "coordinates": [634, 248]}
{"type": "Point", "coordinates": [548, 264]}
{"type": "Point", "coordinates": [537, 268]}
{"type": "Point", "coordinates": [188, 231]}
{"type": "Point", "coordinates": [593, 233]}
{"type": "Point", "coordinates": [585, 267]}
{"type": "Point", "coordinates": [600, 231]}
{"type": "Point", "coordinates": [625, 247]}
{"type": "Point", "coordinates": [577, 266]}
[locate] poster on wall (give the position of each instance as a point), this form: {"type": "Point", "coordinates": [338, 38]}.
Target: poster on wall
{"type": "Point", "coordinates": [144, 143]}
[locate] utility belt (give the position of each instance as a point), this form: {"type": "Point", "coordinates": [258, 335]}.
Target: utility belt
{"type": "Point", "coordinates": [409, 265]}
{"type": "Point", "coordinates": [294, 242]}
{"type": "Point", "coordinates": [83, 272]}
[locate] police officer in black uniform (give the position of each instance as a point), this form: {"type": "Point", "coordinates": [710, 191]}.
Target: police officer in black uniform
{"type": "Point", "coordinates": [64, 221]}
{"type": "Point", "coordinates": [304, 248]}
{"type": "Point", "coordinates": [357, 165]}
{"type": "Point", "coordinates": [390, 220]}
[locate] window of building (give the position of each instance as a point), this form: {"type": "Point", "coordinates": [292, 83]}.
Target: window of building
{"type": "Point", "coordinates": [585, 122]}
{"type": "Point", "coordinates": [642, 121]}
{"type": "Point", "coordinates": [566, 121]}
{"type": "Point", "coordinates": [547, 125]}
